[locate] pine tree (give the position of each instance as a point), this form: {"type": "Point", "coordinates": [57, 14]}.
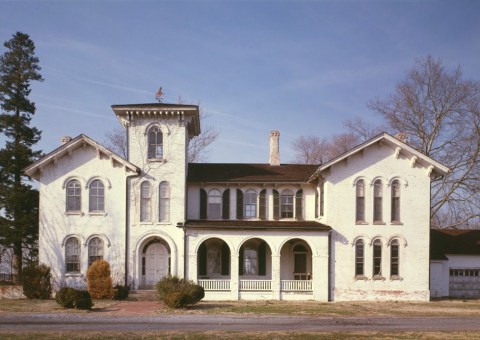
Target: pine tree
{"type": "Point", "coordinates": [18, 200]}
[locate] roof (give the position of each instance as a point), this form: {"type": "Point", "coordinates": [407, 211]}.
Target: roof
{"type": "Point", "coordinates": [454, 241]}
{"type": "Point", "coordinates": [255, 225]}
{"type": "Point", "coordinates": [126, 112]}
{"type": "Point", "coordinates": [36, 168]}
{"type": "Point", "coordinates": [249, 173]}
{"type": "Point", "coordinates": [433, 166]}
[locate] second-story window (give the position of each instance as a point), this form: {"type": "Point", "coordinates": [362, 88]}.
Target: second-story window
{"type": "Point", "coordinates": [250, 201]}
{"type": "Point", "coordinates": [145, 202]}
{"type": "Point", "coordinates": [286, 204]}
{"type": "Point", "coordinates": [377, 258]}
{"type": "Point", "coordinates": [262, 205]}
{"type": "Point", "coordinates": [395, 201]}
{"type": "Point", "coordinates": [155, 143]}
{"type": "Point", "coordinates": [377, 201]}
{"type": "Point", "coordinates": [360, 201]}
{"type": "Point", "coordinates": [214, 204]}
{"type": "Point", "coordinates": [96, 196]}
{"type": "Point", "coordinates": [164, 202]}
{"type": "Point", "coordinates": [74, 195]}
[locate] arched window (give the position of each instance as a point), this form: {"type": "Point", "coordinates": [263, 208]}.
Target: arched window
{"type": "Point", "coordinates": [360, 202]}
{"type": "Point", "coordinates": [250, 201]}
{"type": "Point", "coordinates": [145, 202]}
{"type": "Point", "coordinates": [155, 143]}
{"type": "Point", "coordinates": [74, 195]}
{"type": "Point", "coordinates": [396, 201]}
{"type": "Point", "coordinates": [377, 203]}
{"type": "Point", "coordinates": [72, 255]}
{"type": "Point", "coordinates": [214, 204]}
{"type": "Point", "coordinates": [377, 258]}
{"type": "Point", "coordinates": [96, 196]}
{"type": "Point", "coordinates": [164, 202]}
{"type": "Point", "coordinates": [359, 257]}
{"type": "Point", "coordinates": [286, 204]}
{"type": "Point", "coordinates": [95, 250]}
{"type": "Point", "coordinates": [394, 259]}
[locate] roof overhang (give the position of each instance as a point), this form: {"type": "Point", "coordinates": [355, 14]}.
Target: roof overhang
{"type": "Point", "coordinates": [255, 225]}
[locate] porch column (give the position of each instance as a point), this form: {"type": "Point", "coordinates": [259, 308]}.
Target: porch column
{"type": "Point", "coordinates": [276, 281]}
{"type": "Point", "coordinates": [234, 277]}
{"type": "Point", "coordinates": [320, 277]}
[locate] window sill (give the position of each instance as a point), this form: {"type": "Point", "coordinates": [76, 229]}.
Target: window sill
{"type": "Point", "coordinates": [378, 278]}
{"type": "Point", "coordinates": [379, 223]}
{"type": "Point", "coordinates": [164, 222]}
{"type": "Point", "coordinates": [396, 278]}
{"type": "Point", "coordinates": [97, 213]}
{"type": "Point", "coordinates": [361, 223]}
{"type": "Point", "coordinates": [157, 160]}
{"type": "Point", "coordinates": [73, 274]}
{"type": "Point", "coordinates": [74, 213]}
{"type": "Point", "coordinates": [361, 278]}
{"type": "Point", "coordinates": [145, 223]}
{"type": "Point", "coordinates": [396, 223]}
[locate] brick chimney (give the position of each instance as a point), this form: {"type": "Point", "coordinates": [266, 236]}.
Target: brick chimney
{"type": "Point", "coordinates": [275, 147]}
{"type": "Point", "coordinates": [65, 139]}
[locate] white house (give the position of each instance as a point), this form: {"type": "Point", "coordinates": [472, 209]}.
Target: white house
{"type": "Point", "coordinates": [355, 228]}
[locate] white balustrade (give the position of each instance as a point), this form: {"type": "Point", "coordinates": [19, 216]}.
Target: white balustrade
{"type": "Point", "coordinates": [297, 285]}
{"type": "Point", "coordinates": [255, 285]}
{"type": "Point", "coordinates": [215, 284]}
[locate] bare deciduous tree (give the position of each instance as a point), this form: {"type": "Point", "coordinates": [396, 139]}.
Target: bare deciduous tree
{"type": "Point", "coordinates": [116, 141]}
{"type": "Point", "coordinates": [439, 110]}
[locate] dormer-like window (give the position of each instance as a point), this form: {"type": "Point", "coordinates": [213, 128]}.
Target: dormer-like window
{"type": "Point", "coordinates": [155, 143]}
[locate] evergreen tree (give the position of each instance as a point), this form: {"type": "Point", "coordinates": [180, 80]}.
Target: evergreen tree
{"type": "Point", "coordinates": [18, 200]}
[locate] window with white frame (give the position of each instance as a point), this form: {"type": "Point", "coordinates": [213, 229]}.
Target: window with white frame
{"type": "Point", "coordinates": [96, 196]}
{"type": "Point", "coordinates": [394, 259]}
{"type": "Point", "coordinates": [395, 201]}
{"type": "Point", "coordinates": [250, 261]}
{"type": "Point", "coordinates": [145, 202]}
{"type": "Point", "coordinates": [95, 250]}
{"type": "Point", "coordinates": [359, 258]}
{"type": "Point", "coordinates": [155, 143]}
{"type": "Point", "coordinates": [377, 258]}
{"type": "Point", "coordinates": [286, 204]}
{"type": "Point", "coordinates": [74, 196]}
{"type": "Point", "coordinates": [377, 201]}
{"type": "Point", "coordinates": [360, 201]}
{"type": "Point", "coordinates": [72, 255]}
{"type": "Point", "coordinates": [250, 202]}
{"type": "Point", "coordinates": [214, 204]}
{"type": "Point", "coordinates": [164, 202]}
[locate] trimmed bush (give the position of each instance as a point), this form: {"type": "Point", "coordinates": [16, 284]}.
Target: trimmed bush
{"type": "Point", "coordinates": [84, 300]}
{"type": "Point", "coordinates": [99, 281]}
{"type": "Point", "coordinates": [36, 282]}
{"type": "Point", "coordinates": [178, 293]}
{"type": "Point", "coordinates": [71, 298]}
{"type": "Point", "coordinates": [120, 292]}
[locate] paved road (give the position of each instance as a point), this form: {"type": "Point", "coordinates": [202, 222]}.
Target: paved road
{"type": "Point", "coordinates": [250, 323]}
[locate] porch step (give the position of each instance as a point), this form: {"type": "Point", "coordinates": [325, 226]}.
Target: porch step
{"type": "Point", "coordinates": [143, 295]}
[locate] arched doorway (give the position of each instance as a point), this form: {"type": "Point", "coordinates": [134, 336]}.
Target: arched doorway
{"type": "Point", "coordinates": [155, 262]}
{"type": "Point", "coordinates": [296, 261]}
{"type": "Point", "coordinates": [213, 259]}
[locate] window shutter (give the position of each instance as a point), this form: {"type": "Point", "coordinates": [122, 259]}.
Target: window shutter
{"type": "Point", "coordinates": [226, 205]}
{"type": "Point", "coordinates": [203, 204]}
{"type": "Point", "coordinates": [239, 204]}
{"type": "Point", "coordinates": [262, 259]}
{"type": "Point", "coordinates": [298, 205]}
{"type": "Point", "coordinates": [262, 202]}
{"type": "Point", "coordinates": [316, 203]}
{"type": "Point", "coordinates": [202, 260]}
{"type": "Point", "coordinates": [276, 205]}
{"type": "Point", "coordinates": [225, 259]}
{"type": "Point", "coordinates": [240, 261]}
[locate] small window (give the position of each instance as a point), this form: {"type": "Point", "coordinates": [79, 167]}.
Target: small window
{"type": "Point", "coordinates": [155, 143]}
{"type": "Point", "coordinates": [359, 257]}
{"type": "Point", "coordinates": [145, 202]}
{"type": "Point", "coordinates": [396, 201]}
{"type": "Point", "coordinates": [72, 255]}
{"type": "Point", "coordinates": [164, 202]}
{"type": "Point", "coordinates": [286, 207]}
{"type": "Point", "coordinates": [96, 196]}
{"type": "Point", "coordinates": [95, 250]}
{"type": "Point", "coordinates": [214, 204]}
{"type": "Point", "coordinates": [360, 203]}
{"type": "Point", "coordinates": [74, 195]}
{"type": "Point", "coordinates": [394, 259]}
{"type": "Point", "coordinates": [250, 201]}
{"type": "Point", "coordinates": [377, 204]}
{"type": "Point", "coordinates": [377, 258]}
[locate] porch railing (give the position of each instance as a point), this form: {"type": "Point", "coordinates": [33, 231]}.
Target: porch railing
{"type": "Point", "coordinates": [215, 284]}
{"type": "Point", "coordinates": [296, 285]}
{"type": "Point", "coordinates": [255, 285]}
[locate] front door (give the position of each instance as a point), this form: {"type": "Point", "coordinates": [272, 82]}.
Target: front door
{"type": "Point", "coordinates": [156, 263]}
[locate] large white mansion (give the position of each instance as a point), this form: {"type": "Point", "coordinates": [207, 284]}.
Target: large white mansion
{"type": "Point", "coordinates": [355, 228]}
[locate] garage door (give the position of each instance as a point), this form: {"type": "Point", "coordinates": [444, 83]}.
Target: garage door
{"type": "Point", "coordinates": [465, 282]}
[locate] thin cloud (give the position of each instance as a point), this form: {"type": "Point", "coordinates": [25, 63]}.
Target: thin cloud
{"type": "Point", "coordinates": [83, 113]}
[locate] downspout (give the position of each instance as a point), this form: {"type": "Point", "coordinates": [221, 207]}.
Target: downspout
{"type": "Point", "coordinates": [329, 285]}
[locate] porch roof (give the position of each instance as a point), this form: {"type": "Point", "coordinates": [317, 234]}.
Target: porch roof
{"type": "Point", "coordinates": [254, 225]}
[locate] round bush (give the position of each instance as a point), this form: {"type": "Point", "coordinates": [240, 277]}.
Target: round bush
{"type": "Point", "coordinates": [36, 282]}
{"type": "Point", "coordinates": [66, 297]}
{"type": "Point", "coordinates": [84, 300]}
{"type": "Point", "coordinates": [120, 292]}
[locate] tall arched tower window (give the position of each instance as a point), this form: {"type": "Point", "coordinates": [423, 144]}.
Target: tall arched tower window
{"type": "Point", "coordinates": [155, 143]}
{"type": "Point", "coordinates": [377, 201]}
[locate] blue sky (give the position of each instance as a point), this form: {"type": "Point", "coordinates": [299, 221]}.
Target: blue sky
{"type": "Point", "coordinates": [301, 67]}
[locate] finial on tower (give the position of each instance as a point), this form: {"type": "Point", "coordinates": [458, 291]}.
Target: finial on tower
{"type": "Point", "coordinates": [159, 95]}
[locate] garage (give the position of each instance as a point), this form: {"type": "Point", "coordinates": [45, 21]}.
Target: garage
{"type": "Point", "coordinates": [464, 283]}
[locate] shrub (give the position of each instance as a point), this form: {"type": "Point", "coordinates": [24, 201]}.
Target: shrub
{"type": "Point", "coordinates": [120, 292]}
{"type": "Point", "coordinates": [36, 281]}
{"type": "Point", "coordinates": [178, 293]}
{"type": "Point", "coordinates": [71, 298]}
{"type": "Point", "coordinates": [99, 281]}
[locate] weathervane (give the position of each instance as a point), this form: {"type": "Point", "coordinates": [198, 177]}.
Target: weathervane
{"type": "Point", "coordinates": [159, 95]}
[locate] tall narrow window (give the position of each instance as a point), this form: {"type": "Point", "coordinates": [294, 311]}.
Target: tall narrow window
{"type": "Point", "coordinates": [74, 195]}
{"type": "Point", "coordinates": [96, 196]}
{"type": "Point", "coordinates": [164, 202]}
{"type": "Point", "coordinates": [145, 202]}
{"type": "Point", "coordinates": [299, 205]}
{"type": "Point", "coordinates": [396, 201]}
{"type": "Point", "coordinates": [359, 257]}
{"type": "Point", "coordinates": [95, 250]}
{"type": "Point", "coordinates": [360, 204]}
{"type": "Point", "coordinates": [72, 255]}
{"type": "Point", "coordinates": [262, 205]}
{"type": "Point", "coordinates": [276, 205]}
{"type": "Point", "coordinates": [377, 204]}
{"type": "Point", "coordinates": [250, 264]}
{"type": "Point", "coordinates": [155, 143]}
{"type": "Point", "coordinates": [250, 201]}
{"type": "Point", "coordinates": [377, 258]}
{"type": "Point", "coordinates": [287, 204]}
{"type": "Point", "coordinates": [214, 204]}
{"type": "Point", "coordinates": [394, 259]}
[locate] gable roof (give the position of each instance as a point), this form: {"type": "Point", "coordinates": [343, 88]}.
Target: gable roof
{"type": "Point", "coordinates": [249, 173]}
{"type": "Point", "coordinates": [433, 166]}
{"type": "Point", "coordinates": [35, 169]}
{"type": "Point", "coordinates": [454, 241]}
